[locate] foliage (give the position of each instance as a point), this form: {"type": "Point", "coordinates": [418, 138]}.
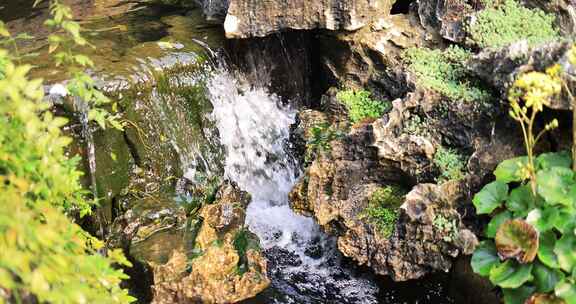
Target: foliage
{"type": "Point", "coordinates": [450, 163]}
{"type": "Point", "coordinates": [382, 210]}
{"type": "Point", "coordinates": [321, 135]}
{"type": "Point", "coordinates": [531, 247]}
{"type": "Point", "coordinates": [44, 254]}
{"type": "Point", "coordinates": [243, 242]}
{"type": "Point", "coordinates": [510, 22]}
{"type": "Point", "coordinates": [444, 72]}
{"type": "Point", "coordinates": [361, 106]}
{"type": "Point", "coordinates": [449, 227]}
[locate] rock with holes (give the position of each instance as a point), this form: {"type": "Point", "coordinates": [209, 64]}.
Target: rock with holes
{"type": "Point", "coordinates": [255, 18]}
{"type": "Point", "coordinates": [222, 264]}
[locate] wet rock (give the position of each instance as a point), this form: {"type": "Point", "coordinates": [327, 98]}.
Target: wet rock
{"type": "Point", "coordinates": [501, 67]}
{"type": "Point", "coordinates": [214, 10]}
{"type": "Point", "coordinates": [469, 287]}
{"type": "Point", "coordinates": [253, 18]}
{"type": "Point", "coordinates": [445, 17]}
{"type": "Point", "coordinates": [224, 265]}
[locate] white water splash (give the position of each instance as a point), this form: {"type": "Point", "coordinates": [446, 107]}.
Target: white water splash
{"type": "Point", "coordinates": [254, 129]}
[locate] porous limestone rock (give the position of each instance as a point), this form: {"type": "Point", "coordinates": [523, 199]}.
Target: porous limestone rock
{"type": "Point", "coordinates": [256, 18]}
{"type": "Point", "coordinates": [226, 265]}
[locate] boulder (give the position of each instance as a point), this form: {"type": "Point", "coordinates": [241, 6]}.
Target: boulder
{"type": "Point", "coordinates": [255, 18]}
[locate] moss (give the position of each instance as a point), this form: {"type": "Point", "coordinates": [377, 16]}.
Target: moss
{"type": "Point", "coordinates": [382, 210]}
{"type": "Point", "coordinates": [450, 163]}
{"type": "Point", "coordinates": [361, 106]}
{"type": "Point", "coordinates": [510, 22]}
{"type": "Point", "coordinates": [444, 72]}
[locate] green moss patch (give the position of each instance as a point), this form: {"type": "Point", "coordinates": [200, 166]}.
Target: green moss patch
{"type": "Point", "coordinates": [361, 106]}
{"type": "Point", "coordinates": [383, 208]}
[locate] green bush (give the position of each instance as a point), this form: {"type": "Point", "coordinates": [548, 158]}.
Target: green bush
{"type": "Point", "coordinates": [444, 72]}
{"type": "Point", "coordinates": [382, 210]}
{"type": "Point", "coordinates": [44, 254]}
{"type": "Point", "coordinates": [510, 22]}
{"type": "Point", "coordinates": [321, 135]}
{"type": "Point", "coordinates": [450, 163]}
{"type": "Point", "coordinates": [360, 105]}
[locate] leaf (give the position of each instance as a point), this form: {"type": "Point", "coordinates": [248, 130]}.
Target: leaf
{"type": "Point", "coordinates": [567, 291]}
{"type": "Point", "coordinates": [517, 239]}
{"type": "Point", "coordinates": [546, 253]}
{"type": "Point", "coordinates": [521, 201]}
{"type": "Point", "coordinates": [490, 197]}
{"type": "Point", "coordinates": [517, 295]}
{"type": "Point", "coordinates": [511, 274]}
{"type": "Point", "coordinates": [485, 258]}
{"type": "Point", "coordinates": [565, 250]}
{"type": "Point", "coordinates": [549, 160]}
{"type": "Point", "coordinates": [495, 223]}
{"type": "Point", "coordinates": [543, 219]}
{"type": "Point", "coordinates": [556, 185]}
{"type": "Point", "coordinates": [510, 170]}
{"type": "Point", "coordinates": [546, 278]}
{"type": "Point", "coordinates": [541, 298]}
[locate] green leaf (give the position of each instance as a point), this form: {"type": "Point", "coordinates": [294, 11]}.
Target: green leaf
{"type": "Point", "coordinates": [546, 250]}
{"type": "Point", "coordinates": [549, 160]}
{"type": "Point", "coordinates": [518, 295]}
{"type": "Point", "coordinates": [511, 274]}
{"type": "Point", "coordinates": [543, 219]}
{"type": "Point", "coordinates": [485, 258]}
{"type": "Point", "coordinates": [521, 201]}
{"type": "Point", "coordinates": [509, 170]}
{"type": "Point", "coordinates": [517, 239]}
{"type": "Point", "coordinates": [546, 278]}
{"type": "Point", "coordinates": [495, 223]}
{"type": "Point", "coordinates": [556, 185]}
{"type": "Point", "coordinates": [567, 291]}
{"type": "Point", "coordinates": [490, 197]}
{"type": "Point", "coordinates": [565, 250]}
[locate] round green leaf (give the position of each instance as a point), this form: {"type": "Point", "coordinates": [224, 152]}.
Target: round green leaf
{"type": "Point", "coordinates": [509, 170]}
{"type": "Point", "coordinates": [518, 295]}
{"type": "Point", "coordinates": [567, 291]}
{"type": "Point", "coordinates": [564, 221]}
{"type": "Point", "coordinates": [546, 278]}
{"type": "Point", "coordinates": [521, 201]}
{"type": "Point", "coordinates": [546, 253]}
{"type": "Point", "coordinates": [556, 186]}
{"type": "Point", "coordinates": [495, 223]}
{"type": "Point", "coordinates": [490, 197]}
{"type": "Point", "coordinates": [565, 250]}
{"type": "Point", "coordinates": [511, 274]}
{"type": "Point", "coordinates": [517, 239]}
{"type": "Point", "coordinates": [484, 258]}
{"type": "Point", "coordinates": [543, 219]}
{"type": "Point", "coordinates": [549, 160]}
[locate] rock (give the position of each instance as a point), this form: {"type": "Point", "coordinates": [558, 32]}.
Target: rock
{"type": "Point", "coordinates": [469, 287]}
{"type": "Point", "coordinates": [226, 265]}
{"type": "Point", "coordinates": [445, 17]}
{"type": "Point", "coordinates": [371, 57]}
{"type": "Point", "coordinates": [501, 67]}
{"type": "Point", "coordinates": [214, 10]}
{"type": "Point", "coordinates": [254, 18]}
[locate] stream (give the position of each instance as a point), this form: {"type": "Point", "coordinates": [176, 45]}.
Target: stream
{"type": "Point", "coordinates": [214, 118]}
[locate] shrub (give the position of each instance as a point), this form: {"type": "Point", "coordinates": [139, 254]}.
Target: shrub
{"type": "Point", "coordinates": [382, 210]}
{"type": "Point", "coordinates": [450, 163]}
{"type": "Point", "coordinates": [511, 22]}
{"type": "Point", "coordinates": [444, 72]}
{"type": "Point", "coordinates": [319, 142]}
{"type": "Point", "coordinates": [44, 254]}
{"type": "Point", "coordinates": [361, 106]}
{"type": "Point", "coordinates": [530, 251]}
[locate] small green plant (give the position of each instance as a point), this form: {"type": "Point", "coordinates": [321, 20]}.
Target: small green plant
{"type": "Point", "coordinates": [244, 241]}
{"type": "Point", "coordinates": [321, 135]}
{"type": "Point", "coordinates": [444, 72]}
{"type": "Point", "coordinates": [415, 125]}
{"type": "Point", "coordinates": [382, 210]}
{"type": "Point", "coordinates": [530, 251]}
{"type": "Point", "coordinates": [450, 163]}
{"type": "Point", "coordinates": [498, 26]}
{"type": "Point", "coordinates": [448, 227]}
{"type": "Point", "coordinates": [361, 106]}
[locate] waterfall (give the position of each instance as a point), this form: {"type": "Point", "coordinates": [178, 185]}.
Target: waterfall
{"type": "Point", "coordinates": [304, 264]}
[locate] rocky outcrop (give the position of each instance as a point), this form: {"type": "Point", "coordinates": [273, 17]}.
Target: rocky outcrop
{"type": "Point", "coordinates": [224, 264]}
{"type": "Point", "coordinates": [501, 67]}
{"type": "Point", "coordinates": [436, 222]}
{"type": "Point", "coordinates": [254, 18]}
{"type": "Point", "coordinates": [445, 17]}
{"type": "Point", "coordinates": [214, 10]}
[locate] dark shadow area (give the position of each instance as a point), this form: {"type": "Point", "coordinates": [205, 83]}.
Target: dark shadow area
{"type": "Point", "coordinates": [401, 7]}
